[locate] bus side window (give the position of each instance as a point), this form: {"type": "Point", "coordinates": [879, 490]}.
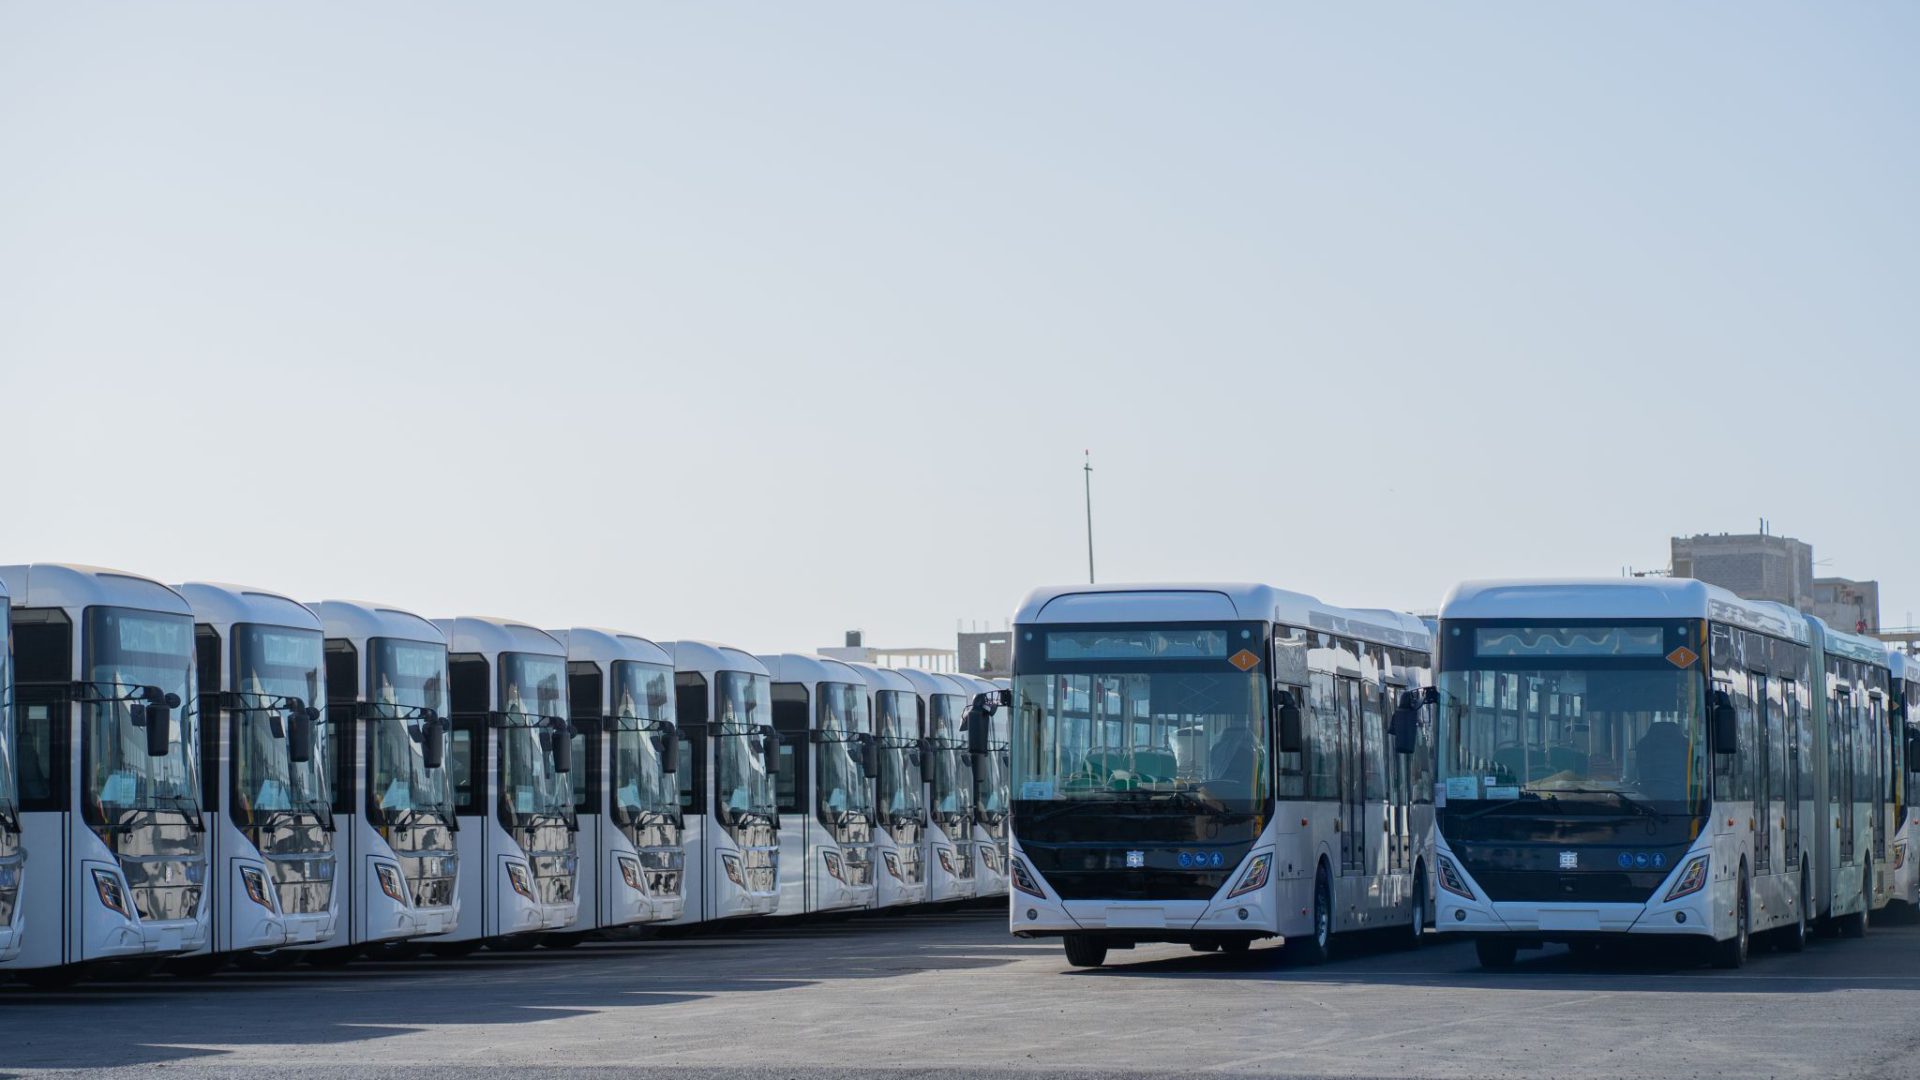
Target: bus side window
{"type": "Point", "coordinates": [1291, 769]}
{"type": "Point", "coordinates": [1323, 738]}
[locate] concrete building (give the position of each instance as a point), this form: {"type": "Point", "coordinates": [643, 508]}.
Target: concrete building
{"type": "Point", "coordinates": [1848, 605]}
{"type": "Point", "coordinates": [1758, 566]}
{"type": "Point", "coordinates": [987, 655]}
{"type": "Point", "coordinates": [921, 657]}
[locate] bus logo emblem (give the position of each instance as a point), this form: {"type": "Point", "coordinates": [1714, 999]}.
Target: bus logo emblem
{"type": "Point", "coordinates": [1682, 657]}
{"type": "Point", "coordinates": [1245, 660]}
{"type": "Point", "coordinates": [1569, 860]}
{"type": "Point", "coordinates": [1136, 859]}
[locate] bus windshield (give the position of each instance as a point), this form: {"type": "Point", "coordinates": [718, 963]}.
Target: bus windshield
{"type": "Point", "coordinates": [952, 765]}
{"type": "Point", "coordinates": [1572, 719]}
{"type": "Point", "coordinates": [407, 678]}
{"type": "Point", "coordinates": [533, 695]}
{"type": "Point", "coordinates": [125, 650]}
{"type": "Point", "coordinates": [843, 789]}
{"type": "Point", "coordinates": [901, 781]}
{"type": "Point", "coordinates": [642, 715]}
{"type": "Point", "coordinates": [744, 786]}
{"type": "Point", "coordinates": [9, 797]}
{"type": "Point", "coordinates": [271, 666]}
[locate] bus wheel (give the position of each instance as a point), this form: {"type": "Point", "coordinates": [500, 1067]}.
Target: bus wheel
{"type": "Point", "coordinates": [1419, 928]}
{"type": "Point", "coordinates": [1732, 953]}
{"type": "Point", "coordinates": [1318, 947]}
{"type": "Point", "coordinates": [1855, 925]}
{"type": "Point", "coordinates": [1084, 951]}
{"type": "Point", "coordinates": [1495, 954]}
{"type": "Point", "coordinates": [1794, 938]}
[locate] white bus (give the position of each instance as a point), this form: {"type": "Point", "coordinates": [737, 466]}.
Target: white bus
{"type": "Point", "coordinates": [948, 768]}
{"type": "Point", "coordinates": [823, 785]}
{"type": "Point", "coordinates": [12, 857]}
{"type": "Point", "coordinates": [1652, 757]}
{"type": "Point", "coordinates": [108, 770]}
{"type": "Point", "coordinates": [263, 776]}
{"type": "Point", "coordinates": [900, 791]}
{"type": "Point", "coordinates": [1215, 764]}
{"type": "Point", "coordinates": [625, 800]}
{"type": "Point", "coordinates": [388, 716]}
{"type": "Point", "coordinates": [990, 794]}
{"type": "Point", "coordinates": [723, 699]}
{"type": "Point", "coordinates": [1904, 740]}
{"type": "Point", "coordinates": [508, 754]}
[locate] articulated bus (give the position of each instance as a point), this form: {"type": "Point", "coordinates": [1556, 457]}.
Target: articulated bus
{"type": "Point", "coordinates": [1653, 757]}
{"type": "Point", "coordinates": [1903, 884]}
{"type": "Point", "coordinates": [262, 773]}
{"type": "Point", "coordinates": [508, 754]}
{"type": "Point", "coordinates": [12, 857]}
{"type": "Point", "coordinates": [723, 699]}
{"type": "Point", "coordinates": [948, 768]}
{"type": "Point", "coordinates": [625, 752]}
{"type": "Point", "coordinates": [385, 753]}
{"type": "Point", "coordinates": [108, 770]}
{"type": "Point", "coordinates": [1215, 764]}
{"type": "Point", "coordinates": [823, 785]}
{"type": "Point", "coordinates": [989, 788]}
{"type": "Point", "coordinates": [899, 797]}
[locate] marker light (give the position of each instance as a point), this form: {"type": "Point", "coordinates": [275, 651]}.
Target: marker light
{"type": "Point", "coordinates": [1023, 878]}
{"type": "Point", "coordinates": [731, 864]}
{"type": "Point", "coordinates": [991, 857]}
{"type": "Point", "coordinates": [1255, 877]}
{"type": "Point", "coordinates": [832, 860]}
{"type": "Point", "coordinates": [391, 882]}
{"type": "Point", "coordinates": [521, 879]}
{"type": "Point", "coordinates": [1451, 880]}
{"type": "Point", "coordinates": [630, 873]}
{"type": "Point", "coordinates": [1899, 854]}
{"type": "Point", "coordinates": [1692, 879]}
{"type": "Point", "coordinates": [107, 884]}
{"type": "Point", "coordinates": [254, 881]}
{"type": "Point", "coordinates": [946, 861]}
{"type": "Point", "coordinates": [893, 863]}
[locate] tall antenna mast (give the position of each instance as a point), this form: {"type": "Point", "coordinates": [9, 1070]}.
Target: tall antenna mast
{"type": "Point", "coordinates": [1088, 470]}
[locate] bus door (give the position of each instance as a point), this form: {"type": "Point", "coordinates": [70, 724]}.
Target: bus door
{"type": "Point", "coordinates": [1762, 775]}
{"type": "Point", "coordinates": [1399, 793]}
{"type": "Point", "coordinates": [1353, 805]}
{"type": "Point", "coordinates": [1795, 785]}
{"type": "Point", "coordinates": [1882, 776]}
{"type": "Point", "coordinates": [1840, 753]}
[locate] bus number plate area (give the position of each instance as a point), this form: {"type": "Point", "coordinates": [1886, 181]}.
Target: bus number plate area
{"type": "Point", "coordinates": [1137, 918]}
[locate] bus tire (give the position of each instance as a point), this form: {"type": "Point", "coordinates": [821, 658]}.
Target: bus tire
{"type": "Point", "coordinates": [1495, 954]}
{"type": "Point", "coordinates": [1732, 953]}
{"type": "Point", "coordinates": [1794, 938]}
{"type": "Point", "coordinates": [1418, 931]}
{"type": "Point", "coordinates": [1084, 951]}
{"type": "Point", "coordinates": [1855, 925]}
{"type": "Point", "coordinates": [1318, 946]}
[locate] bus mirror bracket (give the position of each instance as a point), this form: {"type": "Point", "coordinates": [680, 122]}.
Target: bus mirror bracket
{"type": "Point", "coordinates": [156, 712]}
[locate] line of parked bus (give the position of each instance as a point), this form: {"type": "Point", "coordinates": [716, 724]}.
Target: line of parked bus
{"type": "Point", "coordinates": [1574, 761]}
{"type": "Point", "coordinates": [199, 773]}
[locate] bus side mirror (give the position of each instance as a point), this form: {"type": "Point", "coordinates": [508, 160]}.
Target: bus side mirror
{"type": "Point", "coordinates": [1725, 722]}
{"type": "Point", "coordinates": [1293, 735]}
{"type": "Point", "coordinates": [1913, 749]}
{"type": "Point", "coordinates": [770, 747]}
{"type": "Point", "coordinates": [156, 710]}
{"type": "Point", "coordinates": [870, 758]}
{"type": "Point", "coordinates": [979, 732]}
{"type": "Point", "coordinates": [433, 742]}
{"type": "Point", "coordinates": [562, 746]}
{"type": "Point", "coordinates": [669, 751]}
{"type": "Point", "coordinates": [300, 719]}
{"type": "Point", "coordinates": [1406, 729]}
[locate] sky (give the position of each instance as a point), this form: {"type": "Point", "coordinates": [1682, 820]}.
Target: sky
{"type": "Point", "coordinates": [761, 322]}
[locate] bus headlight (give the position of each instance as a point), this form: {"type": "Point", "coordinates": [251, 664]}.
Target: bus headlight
{"type": "Point", "coordinates": [630, 873]}
{"type": "Point", "coordinates": [1255, 877]}
{"type": "Point", "coordinates": [1451, 880]}
{"type": "Point", "coordinates": [731, 864]}
{"type": "Point", "coordinates": [521, 879]}
{"type": "Point", "coordinates": [1899, 854]}
{"type": "Point", "coordinates": [893, 863]}
{"type": "Point", "coordinates": [255, 882]}
{"type": "Point", "coordinates": [1023, 878]}
{"type": "Point", "coordinates": [946, 861]}
{"type": "Point", "coordinates": [832, 861]}
{"type": "Point", "coordinates": [391, 882]}
{"type": "Point", "coordinates": [112, 896]}
{"type": "Point", "coordinates": [1692, 879]}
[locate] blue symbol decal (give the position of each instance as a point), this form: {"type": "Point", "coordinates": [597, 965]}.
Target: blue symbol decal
{"type": "Point", "coordinates": [1186, 860]}
{"type": "Point", "coordinates": [1626, 860]}
{"type": "Point", "coordinates": [1642, 860]}
{"type": "Point", "coordinates": [1218, 859]}
{"type": "Point", "coordinates": [1659, 860]}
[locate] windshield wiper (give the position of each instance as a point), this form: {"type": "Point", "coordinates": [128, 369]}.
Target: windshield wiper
{"type": "Point", "coordinates": [1627, 801]}
{"type": "Point", "coordinates": [1525, 796]}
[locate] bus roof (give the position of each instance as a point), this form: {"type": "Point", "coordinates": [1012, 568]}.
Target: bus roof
{"type": "Point", "coordinates": [599, 645]}
{"type": "Point", "coordinates": [708, 657]}
{"type": "Point", "coordinates": [1853, 646]}
{"type": "Point", "coordinates": [223, 606]}
{"type": "Point", "coordinates": [811, 670]}
{"type": "Point", "coordinates": [492, 636]}
{"type": "Point", "coordinates": [1902, 665]}
{"type": "Point", "coordinates": [1620, 598]}
{"type": "Point", "coordinates": [361, 621]}
{"type": "Point", "coordinates": [73, 586]}
{"type": "Point", "coordinates": [932, 682]}
{"type": "Point", "coordinates": [1217, 602]}
{"type": "Point", "coordinates": [879, 678]}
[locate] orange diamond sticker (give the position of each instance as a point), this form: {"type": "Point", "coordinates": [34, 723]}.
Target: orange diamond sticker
{"type": "Point", "coordinates": [1682, 657]}
{"type": "Point", "coordinates": [1245, 660]}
